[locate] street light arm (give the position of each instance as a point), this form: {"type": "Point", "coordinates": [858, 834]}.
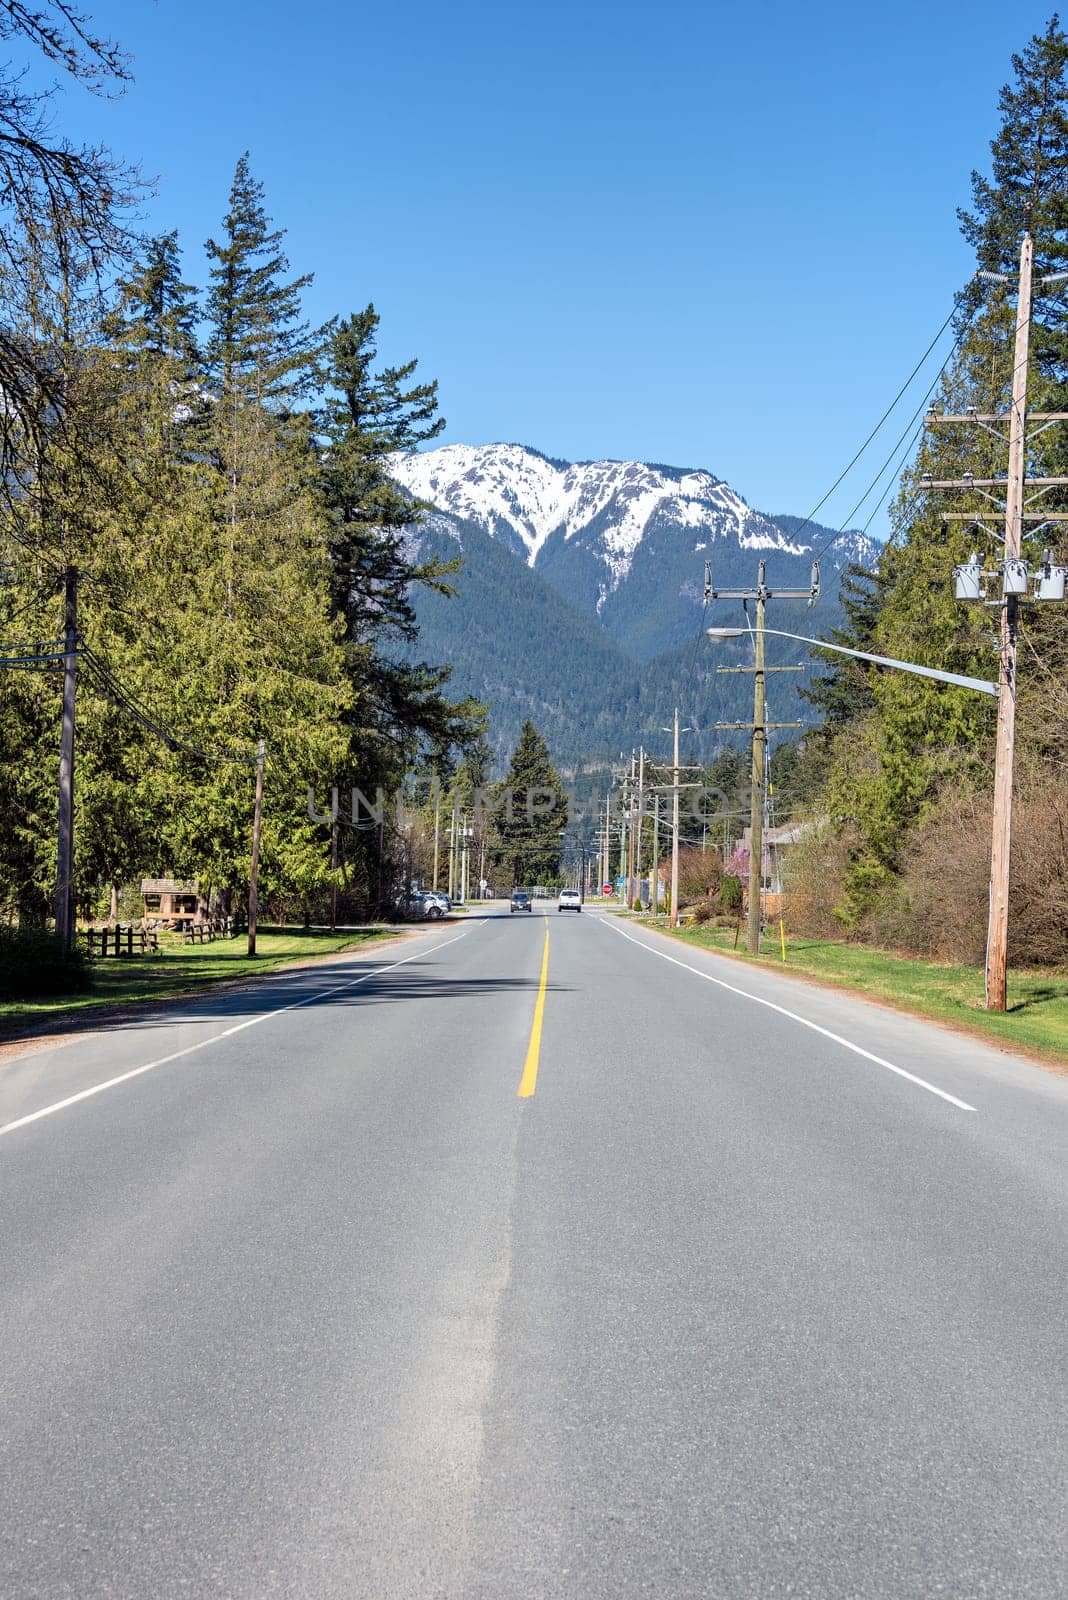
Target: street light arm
{"type": "Point", "coordinates": [981, 685]}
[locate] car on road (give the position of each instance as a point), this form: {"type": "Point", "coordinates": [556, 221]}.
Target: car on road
{"type": "Point", "coordinates": [520, 901]}
{"type": "Point", "coordinates": [570, 900]}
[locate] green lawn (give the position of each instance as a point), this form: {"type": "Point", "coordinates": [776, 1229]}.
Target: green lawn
{"type": "Point", "coordinates": [1037, 1019]}
{"type": "Point", "coordinates": [180, 969]}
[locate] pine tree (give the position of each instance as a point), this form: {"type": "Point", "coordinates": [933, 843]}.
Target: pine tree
{"type": "Point", "coordinates": [258, 346]}
{"type": "Point", "coordinates": [530, 812]}
{"type": "Point", "coordinates": [158, 312]}
{"type": "Point", "coordinates": [368, 417]}
{"type": "Point", "coordinates": [399, 711]}
{"type": "Point", "coordinates": [1026, 191]}
{"type": "Point", "coordinates": [266, 659]}
{"type": "Point", "coordinates": [893, 760]}
{"type": "Point", "coordinates": [844, 692]}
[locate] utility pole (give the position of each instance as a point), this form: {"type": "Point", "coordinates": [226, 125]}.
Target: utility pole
{"type": "Point", "coordinates": [631, 791]}
{"type": "Point", "coordinates": [437, 829]}
{"type": "Point", "coordinates": [654, 873]}
{"type": "Point", "coordinates": [623, 850]}
{"type": "Point", "coordinates": [452, 854]}
{"type": "Point", "coordinates": [758, 772]}
{"type": "Point", "coordinates": [254, 870]}
{"type": "Point", "coordinates": [333, 867]}
{"type": "Point", "coordinates": [606, 872]}
{"type": "Point", "coordinates": [639, 844]}
{"type": "Point", "coordinates": [997, 940]}
{"type": "Point", "coordinates": [64, 907]}
{"type": "Point", "coordinates": [1014, 575]}
{"type": "Point", "coordinates": [675, 778]}
{"type": "Point", "coordinates": [757, 797]}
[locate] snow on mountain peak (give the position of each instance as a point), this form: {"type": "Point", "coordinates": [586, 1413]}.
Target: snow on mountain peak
{"type": "Point", "coordinates": [523, 498]}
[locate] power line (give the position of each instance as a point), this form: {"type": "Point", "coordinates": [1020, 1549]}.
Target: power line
{"type": "Point", "coordinates": [919, 411]}
{"type": "Point", "coordinates": [957, 299]}
{"type": "Point", "coordinates": [113, 690]}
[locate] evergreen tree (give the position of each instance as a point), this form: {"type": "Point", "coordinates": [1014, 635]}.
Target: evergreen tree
{"type": "Point", "coordinates": [1026, 190]}
{"type": "Point", "coordinates": [844, 692]}
{"type": "Point", "coordinates": [158, 313]}
{"type": "Point", "coordinates": [399, 710]}
{"type": "Point", "coordinates": [368, 417]}
{"type": "Point", "coordinates": [258, 346]}
{"type": "Point", "coordinates": [266, 660]}
{"type": "Point", "coordinates": [892, 760]}
{"type": "Point", "coordinates": [530, 812]}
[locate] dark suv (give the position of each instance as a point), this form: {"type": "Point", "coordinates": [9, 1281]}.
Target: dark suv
{"type": "Point", "coordinates": [520, 901]}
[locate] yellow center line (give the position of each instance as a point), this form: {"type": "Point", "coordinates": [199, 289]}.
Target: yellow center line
{"type": "Point", "coordinates": [528, 1082]}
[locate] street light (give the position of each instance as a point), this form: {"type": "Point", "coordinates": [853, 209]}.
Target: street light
{"type": "Point", "coordinates": [981, 685]}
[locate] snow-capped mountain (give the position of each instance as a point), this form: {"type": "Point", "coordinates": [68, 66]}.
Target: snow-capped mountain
{"type": "Point", "coordinates": [625, 541]}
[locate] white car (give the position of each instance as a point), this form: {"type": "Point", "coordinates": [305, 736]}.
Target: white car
{"type": "Point", "coordinates": [570, 900]}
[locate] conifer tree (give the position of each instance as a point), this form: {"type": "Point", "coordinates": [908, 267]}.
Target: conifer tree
{"type": "Point", "coordinates": [530, 812]}
{"type": "Point", "coordinates": [266, 661]}
{"type": "Point", "coordinates": [258, 345]}
{"type": "Point", "coordinates": [368, 417]}
{"type": "Point", "coordinates": [158, 312]}
{"type": "Point", "coordinates": [370, 414]}
{"type": "Point", "coordinates": [892, 761]}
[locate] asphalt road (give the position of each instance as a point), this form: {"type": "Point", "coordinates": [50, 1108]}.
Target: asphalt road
{"type": "Point", "coordinates": [759, 1292]}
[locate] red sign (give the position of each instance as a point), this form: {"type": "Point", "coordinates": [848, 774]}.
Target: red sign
{"type": "Point", "coordinates": [606, 888]}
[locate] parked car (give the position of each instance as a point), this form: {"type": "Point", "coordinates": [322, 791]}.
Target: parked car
{"type": "Point", "coordinates": [421, 907]}
{"type": "Point", "coordinates": [520, 901]}
{"type": "Point", "coordinates": [570, 900]}
{"type": "Point", "coordinates": [438, 897]}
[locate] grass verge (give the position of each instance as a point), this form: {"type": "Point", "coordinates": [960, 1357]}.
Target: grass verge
{"type": "Point", "coordinates": [180, 969]}
{"type": "Point", "coordinates": [1036, 1021]}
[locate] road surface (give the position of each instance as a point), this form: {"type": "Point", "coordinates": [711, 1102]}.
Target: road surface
{"type": "Point", "coordinates": [754, 1291]}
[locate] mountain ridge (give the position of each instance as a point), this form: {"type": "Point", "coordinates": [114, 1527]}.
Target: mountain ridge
{"type": "Point", "coordinates": [582, 587]}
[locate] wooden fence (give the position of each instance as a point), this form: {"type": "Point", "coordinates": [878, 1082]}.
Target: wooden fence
{"type": "Point", "coordinates": [119, 941]}
{"type": "Point", "coordinates": [131, 941]}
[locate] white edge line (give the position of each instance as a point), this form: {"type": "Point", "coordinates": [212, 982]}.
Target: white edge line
{"type": "Point", "coordinates": [202, 1044]}
{"type": "Point", "coordinates": [858, 1050]}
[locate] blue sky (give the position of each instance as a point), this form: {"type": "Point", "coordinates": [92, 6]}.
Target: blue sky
{"type": "Point", "coordinates": [712, 234]}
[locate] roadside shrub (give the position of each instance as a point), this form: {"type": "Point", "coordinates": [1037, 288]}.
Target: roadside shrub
{"type": "Point", "coordinates": [705, 910]}
{"type": "Point", "coordinates": [939, 904]}
{"type": "Point", "coordinates": [700, 872]}
{"type": "Point", "coordinates": [813, 874]}
{"type": "Point", "coordinates": [729, 897]}
{"type": "Point", "coordinates": [33, 964]}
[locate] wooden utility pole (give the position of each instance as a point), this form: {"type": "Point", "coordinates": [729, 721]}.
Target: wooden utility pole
{"type": "Point", "coordinates": [654, 871]}
{"type": "Point", "coordinates": [254, 870]}
{"type": "Point", "coordinates": [64, 905]}
{"type": "Point", "coordinates": [761, 594]}
{"type": "Point", "coordinates": [437, 829]}
{"type": "Point", "coordinates": [631, 791]}
{"type": "Point", "coordinates": [333, 867]}
{"type": "Point", "coordinates": [640, 841]}
{"type": "Point", "coordinates": [452, 854]}
{"type": "Point", "coordinates": [1013, 576]}
{"type": "Point", "coordinates": [623, 851]}
{"type": "Point", "coordinates": [756, 801]}
{"type": "Point", "coordinates": [1001, 843]}
{"type": "Point", "coordinates": [675, 779]}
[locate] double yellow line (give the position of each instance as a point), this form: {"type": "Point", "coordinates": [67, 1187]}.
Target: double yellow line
{"type": "Point", "coordinates": [528, 1082]}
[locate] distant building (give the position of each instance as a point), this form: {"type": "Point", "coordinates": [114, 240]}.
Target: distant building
{"type": "Point", "coordinates": [777, 841]}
